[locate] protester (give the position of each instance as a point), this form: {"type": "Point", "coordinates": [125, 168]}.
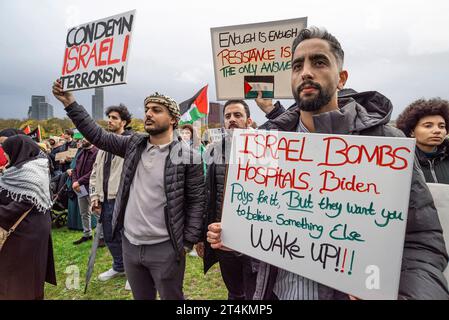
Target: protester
{"type": "Point", "coordinates": [237, 270]}
{"type": "Point", "coordinates": [427, 121]}
{"type": "Point", "coordinates": [4, 134]}
{"type": "Point", "coordinates": [191, 138]}
{"type": "Point", "coordinates": [317, 75]}
{"type": "Point", "coordinates": [160, 200]}
{"type": "Point", "coordinates": [80, 184]}
{"type": "Point", "coordinates": [104, 183]}
{"type": "Point", "coordinates": [26, 259]}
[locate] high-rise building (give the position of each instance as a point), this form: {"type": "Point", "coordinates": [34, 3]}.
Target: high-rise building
{"type": "Point", "coordinates": [215, 117]}
{"type": "Point", "coordinates": [40, 109]}
{"type": "Point", "coordinates": [98, 104]}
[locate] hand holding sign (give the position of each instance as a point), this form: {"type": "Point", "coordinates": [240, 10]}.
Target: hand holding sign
{"type": "Point", "coordinates": [266, 105]}
{"type": "Point", "coordinates": [214, 236]}
{"type": "Point", "coordinates": [65, 97]}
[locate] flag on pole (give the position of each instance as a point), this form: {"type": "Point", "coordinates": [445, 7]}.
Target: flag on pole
{"type": "Point", "coordinates": [27, 129]}
{"type": "Point", "coordinates": [194, 108]}
{"type": "Point", "coordinates": [36, 134]}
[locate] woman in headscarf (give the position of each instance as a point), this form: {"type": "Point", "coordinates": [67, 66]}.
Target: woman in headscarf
{"type": "Point", "coordinates": [26, 259]}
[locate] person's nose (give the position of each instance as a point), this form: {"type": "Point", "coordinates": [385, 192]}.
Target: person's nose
{"type": "Point", "coordinates": [306, 73]}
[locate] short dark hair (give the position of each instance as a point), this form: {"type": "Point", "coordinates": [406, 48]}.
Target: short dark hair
{"type": "Point", "coordinates": [69, 132]}
{"type": "Point", "coordinates": [123, 112]}
{"type": "Point", "coordinates": [418, 109]}
{"type": "Point", "coordinates": [318, 33]}
{"type": "Point", "coordinates": [187, 126]}
{"type": "Point", "coordinates": [235, 101]}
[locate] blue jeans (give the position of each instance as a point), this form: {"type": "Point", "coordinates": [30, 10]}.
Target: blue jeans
{"type": "Point", "coordinates": [114, 244]}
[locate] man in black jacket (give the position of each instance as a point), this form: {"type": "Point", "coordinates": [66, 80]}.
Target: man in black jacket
{"type": "Point", "coordinates": [237, 270]}
{"type": "Point", "coordinates": [317, 76]}
{"type": "Point", "coordinates": [160, 201]}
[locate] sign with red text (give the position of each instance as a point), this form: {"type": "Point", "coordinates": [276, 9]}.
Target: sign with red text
{"type": "Point", "coordinates": [330, 208]}
{"type": "Point", "coordinates": [96, 53]}
{"type": "Point", "coordinates": [254, 57]}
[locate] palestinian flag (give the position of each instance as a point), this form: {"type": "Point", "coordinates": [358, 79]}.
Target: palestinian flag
{"type": "Point", "coordinates": [35, 134]}
{"type": "Point", "coordinates": [26, 130]}
{"type": "Point", "coordinates": [194, 108]}
{"type": "Point", "coordinates": [253, 84]}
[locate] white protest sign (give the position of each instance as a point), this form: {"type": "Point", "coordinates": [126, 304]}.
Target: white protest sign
{"type": "Point", "coordinates": [440, 194]}
{"type": "Point", "coordinates": [97, 53]}
{"type": "Point", "coordinates": [216, 134]}
{"type": "Point", "coordinates": [252, 57]}
{"type": "Point", "coordinates": [330, 208]}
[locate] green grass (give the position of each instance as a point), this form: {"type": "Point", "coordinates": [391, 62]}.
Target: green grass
{"type": "Point", "coordinates": [197, 286]}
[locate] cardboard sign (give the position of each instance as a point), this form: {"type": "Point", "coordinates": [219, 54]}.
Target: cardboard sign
{"type": "Point", "coordinates": [97, 52]}
{"type": "Point", "coordinates": [330, 208]}
{"type": "Point", "coordinates": [61, 155]}
{"type": "Point", "coordinates": [71, 152]}
{"type": "Point", "coordinates": [216, 134]}
{"type": "Point", "coordinates": [254, 57]}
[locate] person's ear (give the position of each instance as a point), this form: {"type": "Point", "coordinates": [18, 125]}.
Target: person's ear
{"type": "Point", "coordinates": [343, 77]}
{"type": "Point", "coordinates": [249, 122]}
{"type": "Point", "coordinates": [412, 134]}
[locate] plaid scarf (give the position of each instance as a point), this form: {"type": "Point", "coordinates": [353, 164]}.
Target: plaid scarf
{"type": "Point", "coordinates": [30, 182]}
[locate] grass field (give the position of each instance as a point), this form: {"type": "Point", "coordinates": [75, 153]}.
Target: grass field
{"type": "Point", "coordinates": [70, 258]}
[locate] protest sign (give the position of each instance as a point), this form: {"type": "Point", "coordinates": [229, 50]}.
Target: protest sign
{"type": "Point", "coordinates": [330, 208]}
{"type": "Point", "coordinates": [71, 152]}
{"type": "Point", "coordinates": [97, 53]}
{"type": "Point", "coordinates": [440, 194]}
{"type": "Point", "coordinates": [216, 134]}
{"type": "Point", "coordinates": [61, 155]}
{"type": "Point", "coordinates": [252, 57]}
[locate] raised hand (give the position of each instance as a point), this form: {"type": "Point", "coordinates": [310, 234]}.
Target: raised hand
{"type": "Point", "coordinates": [65, 97]}
{"type": "Point", "coordinates": [266, 105]}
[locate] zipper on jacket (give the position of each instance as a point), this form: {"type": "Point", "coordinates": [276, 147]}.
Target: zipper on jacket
{"type": "Point", "coordinates": [432, 170]}
{"type": "Point", "coordinates": [167, 218]}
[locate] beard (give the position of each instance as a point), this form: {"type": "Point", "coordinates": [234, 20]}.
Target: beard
{"type": "Point", "coordinates": [157, 129]}
{"type": "Point", "coordinates": [312, 104]}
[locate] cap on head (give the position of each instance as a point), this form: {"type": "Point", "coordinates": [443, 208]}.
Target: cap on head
{"type": "Point", "coordinates": [166, 101]}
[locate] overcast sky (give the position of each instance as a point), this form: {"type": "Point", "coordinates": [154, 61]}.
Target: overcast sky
{"type": "Point", "coordinates": [399, 48]}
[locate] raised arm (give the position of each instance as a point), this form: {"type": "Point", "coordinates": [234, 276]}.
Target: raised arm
{"type": "Point", "coordinates": [96, 135]}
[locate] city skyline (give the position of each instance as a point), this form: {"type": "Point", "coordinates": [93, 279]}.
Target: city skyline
{"type": "Point", "coordinates": [395, 47]}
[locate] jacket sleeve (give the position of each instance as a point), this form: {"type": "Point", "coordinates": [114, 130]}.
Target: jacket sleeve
{"type": "Point", "coordinates": [425, 257]}
{"type": "Point", "coordinates": [277, 111]}
{"type": "Point", "coordinates": [195, 203]}
{"type": "Point", "coordinates": [100, 138]}
{"type": "Point", "coordinates": [84, 179]}
{"type": "Point", "coordinates": [93, 179]}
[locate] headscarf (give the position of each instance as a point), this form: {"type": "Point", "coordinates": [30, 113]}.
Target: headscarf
{"type": "Point", "coordinates": [10, 132]}
{"type": "Point", "coordinates": [27, 176]}
{"type": "Point", "coordinates": [166, 101]}
{"type": "Point", "coordinates": [20, 149]}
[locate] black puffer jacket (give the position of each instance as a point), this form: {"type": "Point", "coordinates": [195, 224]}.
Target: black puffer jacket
{"type": "Point", "coordinates": [436, 168]}
{"type": "Point", "coordinates": [216, 172]}
{"type": "Point", "coordinates": [424, 256]}
{"type": "Point", "coordinates": [184, 182]}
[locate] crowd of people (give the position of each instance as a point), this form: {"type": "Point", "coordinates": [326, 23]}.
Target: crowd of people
{"type": "Point", "coordinates": [159, 194]}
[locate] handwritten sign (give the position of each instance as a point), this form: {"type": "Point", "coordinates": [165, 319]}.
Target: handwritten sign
{"type": "Point", "coordinates": [97, 52]}
{"type": "Point", "coordinates": [330, 208]}
{"type": "Point", "coordinates": [254, 57]}
{"type": "Point", "coordinates": [216, 134]}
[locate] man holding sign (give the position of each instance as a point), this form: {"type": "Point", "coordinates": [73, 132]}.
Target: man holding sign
{"type": "Point", "coordinates": [236, 268]}
{"type": "Point", "coordinates": [160, 200]}
{"type": "Point", "coordinates": [317, 75]}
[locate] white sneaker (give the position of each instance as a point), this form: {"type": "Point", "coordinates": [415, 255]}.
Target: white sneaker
{"type": "Point", "coordinates": [127, 286]}
{"type": "Point", "coordinates": [111, 273]}
{"type": "Point", "coordinates": [193, 253]}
